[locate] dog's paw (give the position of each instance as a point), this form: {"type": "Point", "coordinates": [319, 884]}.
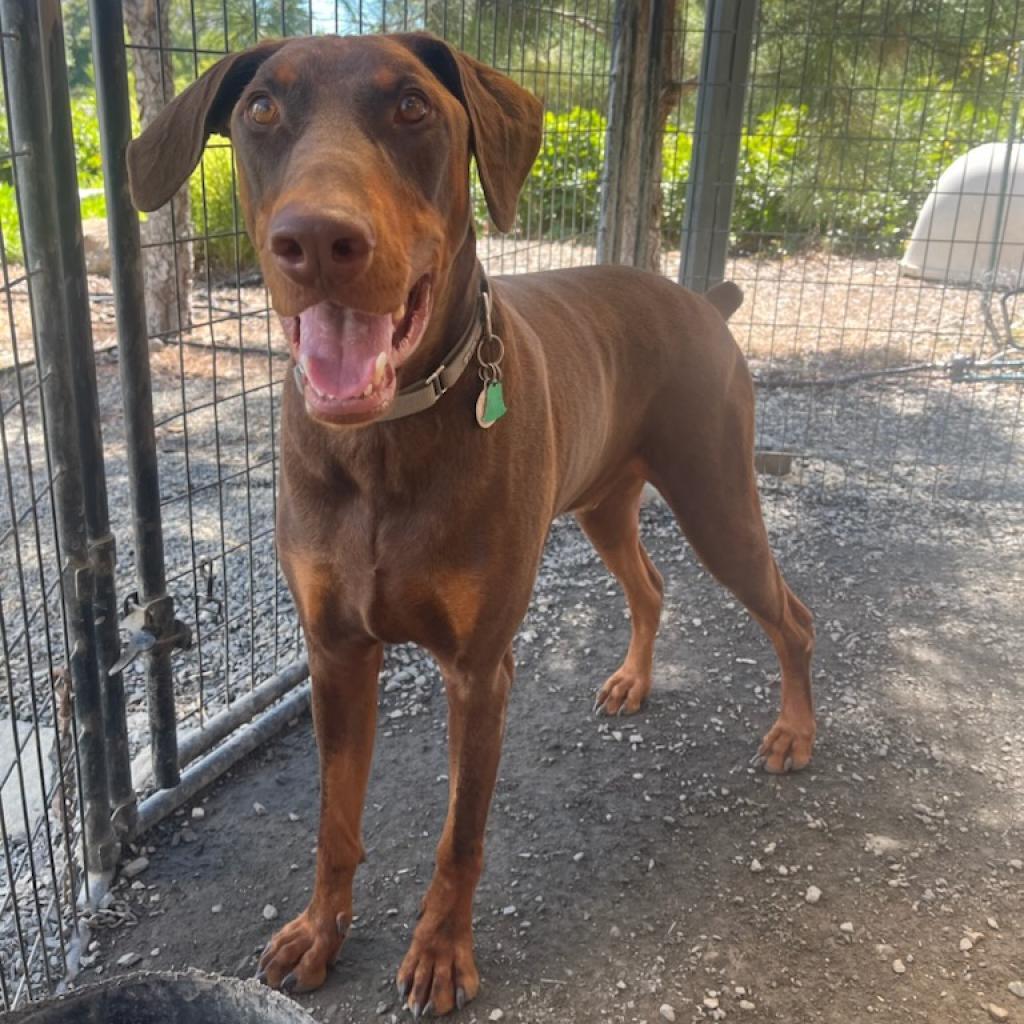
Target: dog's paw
{"type": "Point", "coordinates": [623, 693]}
{"type": "Point", "coordinates": [787, 746]}
{"type": "Point", "coordinates": [438, 974]}
{"type": "Point", "coordinates": [297, 958]}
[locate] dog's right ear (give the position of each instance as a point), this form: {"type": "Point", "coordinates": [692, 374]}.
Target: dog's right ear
{"type": "Point", "coordinates": [168, 151]}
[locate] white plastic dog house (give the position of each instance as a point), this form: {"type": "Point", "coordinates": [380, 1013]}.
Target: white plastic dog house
{"type": "Point", "coordinates": [971, 228]}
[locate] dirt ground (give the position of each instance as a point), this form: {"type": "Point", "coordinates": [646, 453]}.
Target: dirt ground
{"type": "Point", "coordinates": [639, 870]}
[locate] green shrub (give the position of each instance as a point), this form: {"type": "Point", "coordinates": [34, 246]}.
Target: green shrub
{"type": "Point", "coordinates": [216, 214]}
{"type": "Point", "coordinates": [9, 223]}
{"type": "Point", "coordinates": [676, 150]}
{"type": "Point", "coordinates": [765, 180]}
{"type": "Point", "coordinates": [86, 130]}
{"type": "Point", "coordinates": [562, 193]}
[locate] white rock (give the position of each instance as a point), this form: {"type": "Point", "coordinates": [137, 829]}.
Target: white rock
{"type": "Point", "coordinates": [756, 866]}
{"type": "Point", "coordinates": [129, 959]}
{"type": "Point", "coordinates": [847, 927]}
{"type": "Point", "coordinates": [666, 1012]}
{"type": "Point", "coordinates": [216, 908]}
{"type": "Point", "coordinates": [998, 1012]}
{"type": "Point", "coordinates": [746, 1004]}
{"type": "Point", "coordinates": [10, 794]}
{"type": "Point", "coordinates": [899, 967]}
{"type": "Point", "coordinates": [1017, 988]}
{"type": "Point", "coordinates": [269, 912]}
{"type": "Point", "coordinates": [1017, 864]}
{"type": "Point", "coordinates": [134, 868]}
{"type": "Point", "coordinates": [880, 846]}
{"type": "Point", "coordinates": [966, 945]}
{"type": "Point", "coordinates": [813, 894]}
{"type": "Point", "coordinates": [711, 1002]}
{"type": "Point", "coordinates": [495, 1014]}
{"type": "Point", "coordinates": [258, 809]}
{"type": "Point", "coordinates": [198, 813]}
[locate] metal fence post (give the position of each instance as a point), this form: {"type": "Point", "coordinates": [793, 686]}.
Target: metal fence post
{"type": "Point", "coordinates": [155, 621]}
{"type": "Point", "coordinates": [102, 556]}
{"type": "Point", "coordinates": [634, 130]}
{"type": "Point", "coordinates": [725, 65]}
{"type": "Point", "coordinates": [28, 38]}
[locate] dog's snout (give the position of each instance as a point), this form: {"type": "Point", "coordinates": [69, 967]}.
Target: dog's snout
{"type": "Point", "coordinates": [309, 246]}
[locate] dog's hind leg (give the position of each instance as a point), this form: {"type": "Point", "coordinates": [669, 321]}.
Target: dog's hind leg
{"type": "Point", "coordinates": [707, 478]}
{"type": "Point", "coordinates": [613, 528]}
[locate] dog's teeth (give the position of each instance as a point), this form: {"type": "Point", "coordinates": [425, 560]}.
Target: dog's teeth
{"type": "Point", "coordinates": [379, 367]}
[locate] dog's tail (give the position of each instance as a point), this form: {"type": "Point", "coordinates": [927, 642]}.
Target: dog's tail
{"type": "Point", "coordinates": [726, 297]}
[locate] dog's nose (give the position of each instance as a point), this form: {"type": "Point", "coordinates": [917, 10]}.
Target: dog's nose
{"type": "Point", "coordinates": [309, 246]}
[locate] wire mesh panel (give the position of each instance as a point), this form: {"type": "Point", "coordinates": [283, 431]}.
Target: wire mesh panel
{"type": "Point", "coordinates": [216, 356]}
{"type": "Point", "coordinates": [40, 826]}
{"type": "Point", "coordinates": [898, 394]}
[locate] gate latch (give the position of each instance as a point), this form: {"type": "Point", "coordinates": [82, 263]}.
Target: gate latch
{"type": "Point", "coordinates": [150, 626]}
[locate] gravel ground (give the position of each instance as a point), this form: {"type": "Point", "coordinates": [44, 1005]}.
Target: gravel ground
{"type": "Point", "coordinates": [896, 480]}
{"type": "Point", "coordinates": [640, 863]}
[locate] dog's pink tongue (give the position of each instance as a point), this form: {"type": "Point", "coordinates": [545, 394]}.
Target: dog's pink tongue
{"type": "Point", "coordinates": [339, 348]}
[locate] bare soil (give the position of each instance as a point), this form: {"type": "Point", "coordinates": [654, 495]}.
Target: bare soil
{"type": "Point", "coordinates": [635, 863]}
{"type": "Point", "coordinates": [620, 874]}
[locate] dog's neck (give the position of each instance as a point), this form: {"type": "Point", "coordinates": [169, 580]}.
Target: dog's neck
{"type": "Point", "coordinates": [456, 305]}
{"type": "Point", "coordinates": [383, 457]}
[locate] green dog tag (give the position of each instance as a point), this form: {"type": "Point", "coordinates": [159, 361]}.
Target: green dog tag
{"type": "Point", "coordinates": [490, 406]}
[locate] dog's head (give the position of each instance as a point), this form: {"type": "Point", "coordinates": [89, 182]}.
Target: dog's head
{"type": "Point", "coordinates": [353, 161]}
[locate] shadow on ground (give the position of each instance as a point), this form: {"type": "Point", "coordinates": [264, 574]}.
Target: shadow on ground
{"type": "Point", "coordinates": [639, 862]}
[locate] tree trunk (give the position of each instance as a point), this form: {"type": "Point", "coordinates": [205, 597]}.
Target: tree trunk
{"type": "Point", "coordinates": [168, 264]}
{"type": "Point", "coordinates": [643, 94]}
{"type": "Point", "coordinates": [670, 89]}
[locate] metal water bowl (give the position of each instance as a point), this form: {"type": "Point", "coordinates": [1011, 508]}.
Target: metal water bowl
{"type": "Point", "coordinates": [159, 998]}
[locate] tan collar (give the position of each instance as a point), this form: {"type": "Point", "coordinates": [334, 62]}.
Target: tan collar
{"type": "Point", "coordinates": [427, 391]}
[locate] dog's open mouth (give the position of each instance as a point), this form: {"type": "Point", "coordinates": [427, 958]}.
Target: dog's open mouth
{"type": "Point", "coordinates": [346, 360]}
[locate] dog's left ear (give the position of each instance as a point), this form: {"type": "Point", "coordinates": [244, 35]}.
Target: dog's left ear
{"type": "Point", "coordinates": [506, 121]}
{"type": "Point", "coordinates": [169, 150]}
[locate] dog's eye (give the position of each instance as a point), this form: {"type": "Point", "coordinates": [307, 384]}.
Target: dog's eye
{"type": "Point", "coordinates": [413, 107]}
{"type": "Point", "coordinates": [262, 110]}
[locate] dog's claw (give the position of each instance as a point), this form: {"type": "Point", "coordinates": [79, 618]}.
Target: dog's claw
{"type": "Point", "coordinates": [415, 1010]}
{"type": "Point", "coordinates": [787, 765]}
{"type": "Point", "coordinates": [290, 981]}
{"type": "Point", "coordinates": [403, 989]}
{"type": "Point", "coordinates": [341, 923]}
{"type": "Point", "coordinates": [261, 975]}
{"type": "Point", "coordinates": [428, 1010]}
{"type": "Point", "coordinates": [460, 998]}
{"type": "Point", "coordinates": [757, 760]}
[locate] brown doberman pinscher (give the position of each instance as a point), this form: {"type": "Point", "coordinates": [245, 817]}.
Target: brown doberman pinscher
{"type": "Point", "coordinates": [434, 425]}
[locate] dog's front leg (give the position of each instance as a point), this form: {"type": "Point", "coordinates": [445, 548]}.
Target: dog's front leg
{"type": "Point", "coordinates": [438, 973]}
{"type": "Point", "coordinates": [344, 717]}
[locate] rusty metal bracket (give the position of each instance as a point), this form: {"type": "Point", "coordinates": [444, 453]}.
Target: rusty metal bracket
{"type": "Point", "coordinates": [150, 625]}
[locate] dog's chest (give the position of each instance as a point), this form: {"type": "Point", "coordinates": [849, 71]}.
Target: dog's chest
{"type": "Point", "coordinates": [357, 572]}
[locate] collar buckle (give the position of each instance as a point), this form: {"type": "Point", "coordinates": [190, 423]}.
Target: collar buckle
{"type": "Point", "coordinates": [435, 383]}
